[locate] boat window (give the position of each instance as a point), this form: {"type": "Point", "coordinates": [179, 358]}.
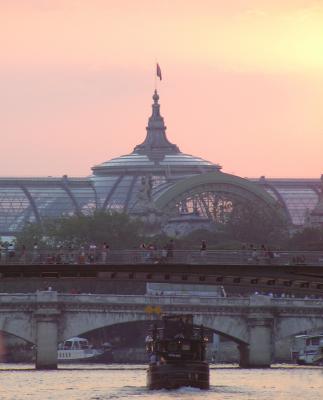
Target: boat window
{"type": "Point", "coordinates": [67, 345]}
{"type": "Point", "coordinates": [84, 345]}
{"type": "Point", "coordinates": [315, 341]}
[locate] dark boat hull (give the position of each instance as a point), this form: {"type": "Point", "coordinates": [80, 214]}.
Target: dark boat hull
{"type": "Point", "coordinates": [173, 376]}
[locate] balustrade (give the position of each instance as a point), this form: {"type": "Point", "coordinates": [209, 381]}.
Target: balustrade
{"type": "Point", "coordinates": [187, 257]}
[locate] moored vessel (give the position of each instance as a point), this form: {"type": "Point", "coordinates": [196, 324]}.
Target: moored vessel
{"type": "Point", "coordinates": [177, 354]}
{"type": "Point", "coordinates": [308, 350]}
{"type": "Point", "coordinates": [78, 350]}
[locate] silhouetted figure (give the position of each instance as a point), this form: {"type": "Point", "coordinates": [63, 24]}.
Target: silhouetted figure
{"type": "Point", "coordinates": [170, 249]}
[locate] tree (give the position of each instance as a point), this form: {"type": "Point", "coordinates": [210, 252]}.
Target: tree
{"type": "Point", "coordinates": [116, 229]}
{"type": "Point", "coordinates": [254, 224]}
{"type": "Point", "coordinates": [30, 234]}
{"type": "Point", "coordinates": [307, 239]}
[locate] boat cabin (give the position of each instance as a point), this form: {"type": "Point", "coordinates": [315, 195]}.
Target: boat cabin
{"type": "Point", "coordinates": [75, 343]}
{"type": "Point", "coordinates": [307, 349]}
{"type": "Point", "coordinates": [177, 340]}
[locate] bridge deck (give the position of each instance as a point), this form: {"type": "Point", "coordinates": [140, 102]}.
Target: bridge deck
{"type": "Point", "coordinates": [151, 256]}
{"type": "Point", "coordinates": [306, 279]}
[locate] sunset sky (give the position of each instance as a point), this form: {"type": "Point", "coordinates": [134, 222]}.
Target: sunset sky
{"type": "Point", "coordinates": [242, 83]}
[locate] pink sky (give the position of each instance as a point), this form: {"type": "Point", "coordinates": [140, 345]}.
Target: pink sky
{"type": "Point", "coordinates": [242, 87]}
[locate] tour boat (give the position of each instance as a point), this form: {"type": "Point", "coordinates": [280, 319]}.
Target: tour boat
{"type": "Point", "coordinates": [177, 354]}
{"type": "Point", "coordinates": [78, 349]}
{"type": "Point", "coordinates": [308, 350]}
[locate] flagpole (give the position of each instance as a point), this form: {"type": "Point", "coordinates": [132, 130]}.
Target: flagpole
{"type": "Point", "coordinates": [155, 75]}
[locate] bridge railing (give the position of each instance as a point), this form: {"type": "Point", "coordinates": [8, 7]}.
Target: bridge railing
{"type": "Point", "coordinates": [166, 300]}
{"type": "Point", "coordinates": [123, 257]}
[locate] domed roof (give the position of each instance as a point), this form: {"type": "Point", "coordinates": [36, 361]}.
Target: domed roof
{"type": "Point", "coordinates": [156, 155]}
{"type": "Point", "coordinates": [185, 159]}
{"type": "Point", "coordinates": [128, 160]}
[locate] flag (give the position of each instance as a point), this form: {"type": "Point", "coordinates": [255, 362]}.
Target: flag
{"type": "Point", "coordinates": [158, 71]}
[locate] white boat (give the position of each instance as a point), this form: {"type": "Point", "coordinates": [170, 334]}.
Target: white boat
{"type": "Point", "coordinates": [308, 349]}
{"type": "Point", "coordinates": [78, 349]}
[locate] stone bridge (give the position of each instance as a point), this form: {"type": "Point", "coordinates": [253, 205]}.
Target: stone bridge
{"type": "Point", "coordinates": [216, 269]}
{"type": "Point", "coordinates": [255, 324]}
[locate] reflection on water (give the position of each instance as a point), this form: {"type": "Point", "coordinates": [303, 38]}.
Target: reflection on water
{"type": "Point", "coordinates": [97, 382]}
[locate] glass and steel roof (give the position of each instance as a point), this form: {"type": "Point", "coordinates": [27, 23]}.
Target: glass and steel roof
{"type": "Point", "coordinates": [116, 184]}
{"type": "Point", "coordinates": [181, 159]}
{"type": "Point", "coordinates": [138, 160]}
{"type": "Point", "coordinates": [298, 196]}
{"type": "Point", "coordinates": [129, 160]}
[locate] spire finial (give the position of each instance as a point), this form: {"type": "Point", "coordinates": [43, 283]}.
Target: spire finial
{"type": "Point", "coordinates": [156, 97]}
{"type": "Point", "coordinates": [156, 144]}
{"type": "Point", "coordinates": [156, 107]}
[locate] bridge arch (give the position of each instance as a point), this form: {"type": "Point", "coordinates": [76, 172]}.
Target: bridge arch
{"type": "Point", "coordinates": [231, 327]}
{"type": "Point", "coordinates": [15, 336]}
{"type": "Point", "coordinates": [215, 193]}
{"type": "Point", "coordinates": [225, 200]}
{"type": "Point", "coordinates": [292, 326]}
{"type": "Point", "coordinates": [17, 327]}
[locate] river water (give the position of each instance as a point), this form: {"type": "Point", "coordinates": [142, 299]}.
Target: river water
{"type": "Point", "coordinates": [97, 382]}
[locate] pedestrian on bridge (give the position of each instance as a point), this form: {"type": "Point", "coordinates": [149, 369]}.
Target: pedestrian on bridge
{"type": "Point", "coordinates": [23, 254]}
{"type": "Point", "coordinates": [92, 253]}
{"type": "Point", "coordinates": [164, 252]}
{"type": "Point", "coordinates": [104, 252]}
{"type": "Point", "coordinates": [170, 249]}
{"type": "Point", "coordinates": [203, 248]}
{"type": "Point", "coordinates": [35, 256]}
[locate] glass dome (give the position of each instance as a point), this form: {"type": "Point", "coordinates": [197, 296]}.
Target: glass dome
{"type": "Point", "coordinates": [119, 180]}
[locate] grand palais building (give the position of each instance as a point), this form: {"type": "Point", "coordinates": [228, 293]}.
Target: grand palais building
{"type": "Point", "coordinates": [158, 183]}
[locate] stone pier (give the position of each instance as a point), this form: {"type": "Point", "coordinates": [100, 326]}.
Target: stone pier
{"type": "Point", "coordinates": [260, 325]}
{"type": "Point", "coordinates": [46, 319]}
